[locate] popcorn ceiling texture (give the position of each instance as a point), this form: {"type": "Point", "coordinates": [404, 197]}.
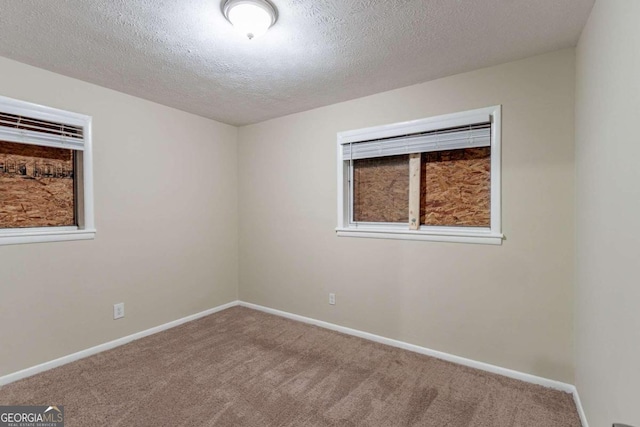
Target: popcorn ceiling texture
{"type": "Point", "coordinates": [184, 54]}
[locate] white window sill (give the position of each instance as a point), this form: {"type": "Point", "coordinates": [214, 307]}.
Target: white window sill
{"type": "Point", "coordinates": [461, 236]}
{"type": "Point", "coordinates": [41, 235]}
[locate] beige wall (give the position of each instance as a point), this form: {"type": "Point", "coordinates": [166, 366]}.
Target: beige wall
{"type": "Point", "coordinates": [608, 212]}
{"type": "Point", "coordinates": [509, 305]}
{"type": "Point", "coordinates": [166, 209]}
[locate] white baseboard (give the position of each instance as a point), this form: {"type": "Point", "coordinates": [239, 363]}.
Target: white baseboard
{"type": "Point", "coordinates": [583, 416]}
{"type": "Point", "coordinates": [107, 346]}
{"type": "Point", "coordinates": [533, 379]}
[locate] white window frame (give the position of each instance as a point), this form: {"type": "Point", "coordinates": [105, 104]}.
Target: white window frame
{"type": "Point", "coordinates": [84, 204]}
{"type": "Point", "coordinates": [482, 235]}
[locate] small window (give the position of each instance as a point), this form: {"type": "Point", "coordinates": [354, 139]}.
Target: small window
{"type": "Point", "coordinates": [432, 179]}
{"type": "Point", "coordinates": [46, 191]}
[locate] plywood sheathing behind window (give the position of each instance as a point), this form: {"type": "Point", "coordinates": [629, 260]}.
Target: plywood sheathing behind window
{"type": "Point", "coordinates": [36, 186]}
{"type": "Point", "coordinates": [457, 188]}
{"type": "Point", "coordinates": [381, 189]}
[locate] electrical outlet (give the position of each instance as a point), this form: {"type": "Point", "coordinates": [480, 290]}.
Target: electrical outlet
{"type": "Point", "coordinates": [118, 311]}
{"type": "Point", "coordinates": [332, 299]}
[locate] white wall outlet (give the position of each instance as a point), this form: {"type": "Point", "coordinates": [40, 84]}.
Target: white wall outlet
{"type": "Point", "coordinates": [332, 299]}
{"type": "Point", "coordinates": [118, 311]}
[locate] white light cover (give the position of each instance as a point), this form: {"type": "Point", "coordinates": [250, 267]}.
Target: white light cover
{"type": "Point", "coordinates": [251, 19]}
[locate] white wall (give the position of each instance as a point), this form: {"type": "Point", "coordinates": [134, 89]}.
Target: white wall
{"type": "Point", "coordinates": [509, 305]}
{"type": "Point", "coordinates": [166, 209]}
{"type": "Point", "coordinates": [608, 212]}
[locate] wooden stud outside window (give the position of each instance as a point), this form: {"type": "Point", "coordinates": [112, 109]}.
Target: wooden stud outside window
{"type": "Point", "coordinates": [415, 165]}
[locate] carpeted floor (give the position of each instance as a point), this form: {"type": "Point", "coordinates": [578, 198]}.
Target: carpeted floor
{"type": "Point", "coordinates": [241, 367]}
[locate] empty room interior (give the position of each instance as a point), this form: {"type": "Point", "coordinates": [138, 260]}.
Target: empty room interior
{"type": "Point", "coordinates": [319, 213]}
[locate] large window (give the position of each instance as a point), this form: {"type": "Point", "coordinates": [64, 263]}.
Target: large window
{"type": "Point", "coordinates": [431, 179]}
{"type": "Point", "coordinates": [45, 174]}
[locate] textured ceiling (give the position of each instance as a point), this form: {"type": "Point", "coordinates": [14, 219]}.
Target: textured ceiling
{"type": "Point", "coordinates": [184, 54]}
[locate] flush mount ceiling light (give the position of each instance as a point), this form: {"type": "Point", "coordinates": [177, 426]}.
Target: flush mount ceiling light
{"type": "Point", "coordinates": [251, 17]}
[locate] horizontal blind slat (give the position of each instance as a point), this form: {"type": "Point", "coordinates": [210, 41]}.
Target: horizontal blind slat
{"type": "Point", "coordinates": [37, 138]}
{"type": "Point", "coordinates": [29, 130]}
{"type": "Point", "coordinates": [468, 137]}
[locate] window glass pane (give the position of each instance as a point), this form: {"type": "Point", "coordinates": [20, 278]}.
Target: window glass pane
{"type": "Point", "coordinates": [381, 189]}
{"type": "Point", "coordinates": [36, 186]}
{"type": "Point", "coordinates": [456, 188]}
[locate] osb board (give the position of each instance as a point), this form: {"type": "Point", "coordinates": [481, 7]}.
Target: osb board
{"type": "Point", "coordinates": [381, 189]}
{"type": "Point", "coordinates": [36, 186]}
{"type": "Point", "coordinates": [457, 188]}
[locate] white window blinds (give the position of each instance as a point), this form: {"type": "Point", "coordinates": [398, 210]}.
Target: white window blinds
{"type": "Point", "coordinates": [473, 136]}
{"type": "Point", "coordinates": [29, 130]}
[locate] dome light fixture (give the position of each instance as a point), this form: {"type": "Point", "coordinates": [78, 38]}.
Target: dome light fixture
{"type": "Point", "coordinates": [251, 17]}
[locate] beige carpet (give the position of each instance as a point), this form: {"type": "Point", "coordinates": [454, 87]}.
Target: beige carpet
{"type": "Point", "coordinates": [242, 367]}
